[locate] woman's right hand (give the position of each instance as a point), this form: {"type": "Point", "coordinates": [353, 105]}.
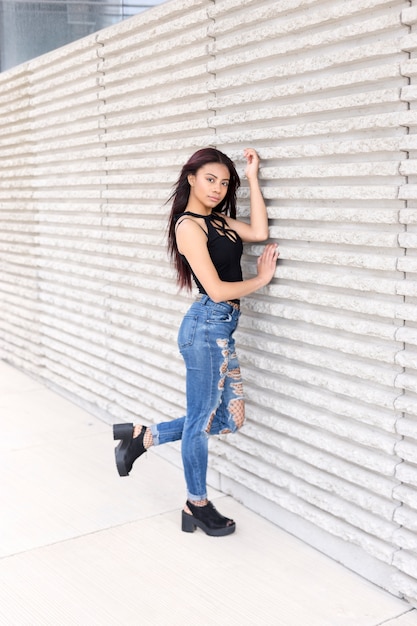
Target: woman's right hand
{"type": "Point", "coordinates": [267, 263]}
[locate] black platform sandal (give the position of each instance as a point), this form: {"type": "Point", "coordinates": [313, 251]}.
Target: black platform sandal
{"type": "Point", "coordinates": [129, 449]}
{"type": "Point", "coordinates": [208, 519]}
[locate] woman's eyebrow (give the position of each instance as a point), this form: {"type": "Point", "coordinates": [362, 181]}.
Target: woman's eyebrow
{"type": "Point", "coordinates": [214, 176]}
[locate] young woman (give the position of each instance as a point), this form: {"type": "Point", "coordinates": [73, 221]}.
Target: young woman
{"type": "Point", "coordinates": [205, 244]}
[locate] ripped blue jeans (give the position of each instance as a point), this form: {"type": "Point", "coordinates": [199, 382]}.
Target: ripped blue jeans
{"type": "Point", "coordinates": [215, 403]}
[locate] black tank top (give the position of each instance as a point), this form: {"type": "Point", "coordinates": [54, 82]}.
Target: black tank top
{"type": "Point", "coordinates": [224, 246]}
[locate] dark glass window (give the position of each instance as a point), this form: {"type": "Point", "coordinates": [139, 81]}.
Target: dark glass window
{"type": "Point", "coordinates": [29, 29]}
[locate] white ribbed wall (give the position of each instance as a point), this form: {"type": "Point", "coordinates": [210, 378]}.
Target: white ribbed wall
{"type": "Point", "coordinates": [92, 137]}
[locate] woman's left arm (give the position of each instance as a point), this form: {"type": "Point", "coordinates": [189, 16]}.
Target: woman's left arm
{"type": "Point", "coordinates": [257, 229]}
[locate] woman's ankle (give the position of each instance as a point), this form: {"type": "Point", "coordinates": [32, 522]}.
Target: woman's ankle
{"type": "Point", "coordinates": [203, 502]}
{"type": "Point", "coordinates": [147, 438]}
{"type": "Point", "coordinates": [199, 503]}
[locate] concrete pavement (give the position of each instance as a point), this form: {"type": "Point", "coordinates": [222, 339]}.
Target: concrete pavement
{"type": "Point", "coordinates": [80, 546]}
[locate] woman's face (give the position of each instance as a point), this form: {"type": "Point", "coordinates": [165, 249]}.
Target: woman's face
{"type": "Point", "coordinates": [208, 187]}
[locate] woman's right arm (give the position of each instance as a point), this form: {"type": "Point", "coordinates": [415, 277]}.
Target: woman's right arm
{"type": "Point", "coordinates": [192, 243]}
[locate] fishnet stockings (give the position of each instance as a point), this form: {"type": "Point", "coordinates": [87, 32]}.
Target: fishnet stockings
{"type": "Point", "coordinates": [196, 503]}
{"type": "Point", "coordinates": [148, 439]}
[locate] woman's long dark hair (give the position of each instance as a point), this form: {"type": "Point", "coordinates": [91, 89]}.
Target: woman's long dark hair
{"type": "Point", "coordinates": [180, 198]}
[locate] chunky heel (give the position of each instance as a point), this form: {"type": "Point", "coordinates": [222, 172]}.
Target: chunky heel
{"type": "Point", "coordinates": [187, 525]}
{"type": "Point", "coordinates": [129, 449]}
{"type": "Point", "coordinates": [122, 431]}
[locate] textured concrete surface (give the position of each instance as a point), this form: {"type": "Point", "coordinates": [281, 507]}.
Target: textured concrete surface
{"type": "Point", "coordinates": [81, 546]}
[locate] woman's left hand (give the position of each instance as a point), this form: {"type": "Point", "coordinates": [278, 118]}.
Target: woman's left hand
{"type": "Point", "coordinates": [252, 163]}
